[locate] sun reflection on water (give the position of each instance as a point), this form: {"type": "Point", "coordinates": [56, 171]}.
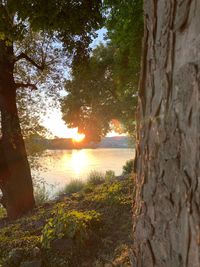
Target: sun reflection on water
{"type": "Point", "coordinates": [79, 161]}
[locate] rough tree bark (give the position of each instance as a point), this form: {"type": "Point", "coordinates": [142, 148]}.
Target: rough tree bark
{"type": "Point", "coordinates": [15, 176]}
{"type": "Point", "coordinates": [167, 205]}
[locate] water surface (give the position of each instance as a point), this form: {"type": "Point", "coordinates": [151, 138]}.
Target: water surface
{"type": "Point", "coordinates": [61, 166]}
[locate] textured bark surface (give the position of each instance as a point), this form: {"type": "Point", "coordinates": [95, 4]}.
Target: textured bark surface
{"type": "Point", "coordinates": [167, 205]}
{"type": "Point", "coordinates": [15, 177]}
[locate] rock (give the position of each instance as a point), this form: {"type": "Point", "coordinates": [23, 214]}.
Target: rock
{"type": "Point", "coordinates": [34, 263]}
{"type": "Point", "coordinates": [62, 245]}
{"type": "Point", "coordinates": [15, 256]}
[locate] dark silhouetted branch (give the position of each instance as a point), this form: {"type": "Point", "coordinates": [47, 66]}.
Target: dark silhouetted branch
{"type": "Point", "coordinates": [26, 57]}
{"type": "Point", "coordinates": [26, 85]}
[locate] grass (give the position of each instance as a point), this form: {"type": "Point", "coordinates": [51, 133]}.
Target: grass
{"type": "Point", "coordinates": [95, 178]}
{"type": "Point", "coordinates": [74, 186]}
{"type": "Point", "coordinates": [41, 195]}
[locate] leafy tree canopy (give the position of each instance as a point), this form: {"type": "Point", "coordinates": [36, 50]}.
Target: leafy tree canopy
{"type": "Point", "coordinates": [65, 19]}
{"type": "Point", "coordinates": [44, 35]}
{"type": "Point", "coordinates": [105, 86]}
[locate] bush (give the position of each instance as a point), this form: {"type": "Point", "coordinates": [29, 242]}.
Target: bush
{"type": "Point", "coordinates": [74, 226]}
{"type": "Point", "coordinates": [128, 167]}
{"type": "Point", "coordinates": [96, 178]}
{"type": "Point", "coordinates": [74, 186]}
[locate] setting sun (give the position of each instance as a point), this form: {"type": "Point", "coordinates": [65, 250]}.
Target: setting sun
{"type": "Point", "coordinates": [78, 137]}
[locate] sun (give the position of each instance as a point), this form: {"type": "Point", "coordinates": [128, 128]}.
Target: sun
{"type": "Point", "coordinates": [78, 137]}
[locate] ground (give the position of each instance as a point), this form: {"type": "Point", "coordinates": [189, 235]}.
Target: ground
{"type": "Point", "coordinates": [63, 233]}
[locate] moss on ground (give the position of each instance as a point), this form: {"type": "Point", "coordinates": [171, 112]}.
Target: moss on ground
{"type": "Point", "coordinates": [106, 245]}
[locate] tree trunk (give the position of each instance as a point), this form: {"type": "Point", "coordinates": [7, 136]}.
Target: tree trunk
{"type": "Point", "coordinates": [15, 176]}
{"type": "Point", "coordinates": [167, 204]}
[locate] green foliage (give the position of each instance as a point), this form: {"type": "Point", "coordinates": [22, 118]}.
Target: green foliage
{"type": "Point", "coordinates": [125, 30]}
{"type": "Point", "coordinates": [109, 176]}
{"type": "Point", "coordinates": [113, 191]}
{"type": "Point", "coordinates": [74, 186]}
{"type": "Point", "coordinates": [128, 167]}
{"type": "Point", "coordinates": [14, 236]}
{"type": "Point", "coordinates": [110, 194]}
{"type": "Point", "coordinates": [95, 178]}
{"type": "Point", "coordinates": [113, 200]}
{"type": "Point", "coordinates": [73, 225]}
{"type": "Point", "coordinates": [88, 92]}
{"type": "Point", "coordinates": [105, 87]}
{"type": "Point", "coordinates": [68, 18]}
{"type": "Point", "coordinates": [44, 37]}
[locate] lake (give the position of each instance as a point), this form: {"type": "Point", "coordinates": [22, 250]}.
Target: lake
{"type": "Point", "coordinates": [61, 166]}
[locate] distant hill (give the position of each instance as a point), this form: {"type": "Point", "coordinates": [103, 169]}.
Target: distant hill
{"type": "Point", "coordinates": [114, 142]}
{"type": "Point", "coordinates": [67, 143]}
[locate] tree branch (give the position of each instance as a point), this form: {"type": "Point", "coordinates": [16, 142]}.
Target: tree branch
{"type": "Point", "coordinates": [24, 56]}
{"type": "Point", "coordinates": [26, 85]}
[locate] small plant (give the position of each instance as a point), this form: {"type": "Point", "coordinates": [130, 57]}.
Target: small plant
{"type": "Point", "coordinates": [128, 167]}
{"type": "Point", "coordinates": [41, 194]}
{"type": "Point", "coordinates": [109, 176]}
{"type": "Point", "coordinates": [74, 225]}
{"type": "Point", "coordinates": [96, 178]}
{"type": "Point", "coordinates": [74, 186]}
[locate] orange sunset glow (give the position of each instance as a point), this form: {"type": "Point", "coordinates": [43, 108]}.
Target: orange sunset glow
{"type": "Point", "coordinates": [78, 137]}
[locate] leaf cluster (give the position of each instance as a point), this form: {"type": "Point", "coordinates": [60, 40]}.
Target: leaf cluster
{"type": "Point", "coordinates": [74, 225]}
{"type": "Point", "coordinates": [64, 18]}
{"type": "Point", "coordinates": [105, 86]}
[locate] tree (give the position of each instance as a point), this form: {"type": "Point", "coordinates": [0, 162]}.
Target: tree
{"type": "Point", "coordinates": [91, 101]}
{"type": "Point", "coordinates": [167, 199]}
{"type": "Point", "coordinates": [103, 87]}
{"type": "Point", "coordinates": [72, 23]}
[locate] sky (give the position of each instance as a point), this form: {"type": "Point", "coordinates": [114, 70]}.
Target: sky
{"type": "Point", "coordinates": [53, 120]}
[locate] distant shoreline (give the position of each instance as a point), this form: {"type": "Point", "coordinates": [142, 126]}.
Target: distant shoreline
{"type": "Point", "coordinates": [68, 144]}
{"type": "Point", "coordinates": [93, 148]}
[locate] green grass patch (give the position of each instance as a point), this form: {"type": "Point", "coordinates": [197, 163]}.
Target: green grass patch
{"type": "Point", "coordinates": [74, 186]}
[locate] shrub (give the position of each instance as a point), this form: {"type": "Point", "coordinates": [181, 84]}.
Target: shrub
{"type": "Point", "coordinates": [74, 225]}
{"type": "Point", "coordinates": [74, 186]}
{"type": "Point", "coordinates": [128, 167]}
{"type": "Point", "coordinates": [96, 178]}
